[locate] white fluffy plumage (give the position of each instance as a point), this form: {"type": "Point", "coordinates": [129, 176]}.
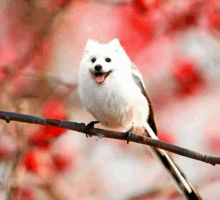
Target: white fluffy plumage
{"type": "Point", "coordinates": [117, 103]}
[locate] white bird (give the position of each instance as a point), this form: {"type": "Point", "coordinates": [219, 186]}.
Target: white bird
{"type": "Point", "coordinates": [112, 89]}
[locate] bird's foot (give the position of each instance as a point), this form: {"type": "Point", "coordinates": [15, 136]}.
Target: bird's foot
{"type": "Point", "coordinates": [99, 136]}
{"type": "Point", "coordinates": [129, 134]}
{"type": "Point", "coordinates": [89, 127]}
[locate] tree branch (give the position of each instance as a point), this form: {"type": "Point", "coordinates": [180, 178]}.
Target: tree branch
{"type": "Point", "coordinates": [81, 127]}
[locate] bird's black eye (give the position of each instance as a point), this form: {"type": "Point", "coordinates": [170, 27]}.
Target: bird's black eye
{"type": "Point", "coordinates": [93, 60]}
{"type": "Point", "coordinates": [108, 59]}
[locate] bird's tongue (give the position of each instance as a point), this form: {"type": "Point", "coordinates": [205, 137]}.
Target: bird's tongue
{"type": "Point", "coordinates": [100, 79]}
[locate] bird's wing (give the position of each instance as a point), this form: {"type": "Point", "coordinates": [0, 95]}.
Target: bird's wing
{"type": "Point", "coordinates": [137, 77]}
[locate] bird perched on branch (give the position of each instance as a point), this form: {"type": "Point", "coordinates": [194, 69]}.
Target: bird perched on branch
{"type": "Point", "coordinates": [112, 90]}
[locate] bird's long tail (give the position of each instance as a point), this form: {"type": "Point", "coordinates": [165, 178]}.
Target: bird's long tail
{"type": "Point", "coordinates": [183, 184]}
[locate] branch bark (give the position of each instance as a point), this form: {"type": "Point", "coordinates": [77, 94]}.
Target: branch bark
{"type": "Point", "coordinates": [81, 127]}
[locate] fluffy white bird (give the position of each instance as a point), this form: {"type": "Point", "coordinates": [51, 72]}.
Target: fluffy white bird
{"type": "Point", "coordinates": [112, 90]}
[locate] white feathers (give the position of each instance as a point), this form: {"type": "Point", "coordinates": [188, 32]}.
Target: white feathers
{"type": "Point", "coordinates": [117, 103]}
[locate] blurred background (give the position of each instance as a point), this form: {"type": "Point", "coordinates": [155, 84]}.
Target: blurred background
{"type": "Point", "coordinates": [174, 43]}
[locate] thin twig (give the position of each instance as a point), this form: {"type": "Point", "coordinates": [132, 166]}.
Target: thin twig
{"type": "Point", "coordinates": [81, 127]}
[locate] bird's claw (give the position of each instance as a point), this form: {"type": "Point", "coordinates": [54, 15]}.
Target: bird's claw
{"type": "Point", "coordinates": [89, 127]}
{"type": "Point", "coordinates": [128, 135]}
{"type": "Point", "coordinates": [100, 136]}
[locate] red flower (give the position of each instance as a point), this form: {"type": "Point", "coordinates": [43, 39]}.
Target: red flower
{"type": "Point", "coordinates": [214, 19]}
{"type": "Point", "coordinates": [40, 138]}
{"type": "Point", "coordinates": [136, 30]}
{"type": "Point", "coordinates": [51, 131]}
{"type": "Point", "coordinates": [54, 109]}
{"type": "Point", "coordinates": [23, 193]}
{"type": "Point", "coordinates": [39, 162]}
{"type": "Point", "coordinates": [145, 5]}
{"type": "Point", "coordinates": [187, 76]}
{"type": "Point", "coordinates": [61, 162]}
{"type": "Point", "coordinates": [30, 161]}
{"type": "Point", "coordinates": [183, 14]}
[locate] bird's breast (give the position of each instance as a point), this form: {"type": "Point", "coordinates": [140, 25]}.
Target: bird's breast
{"type": "Point", "coordinates": [111, 107]}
